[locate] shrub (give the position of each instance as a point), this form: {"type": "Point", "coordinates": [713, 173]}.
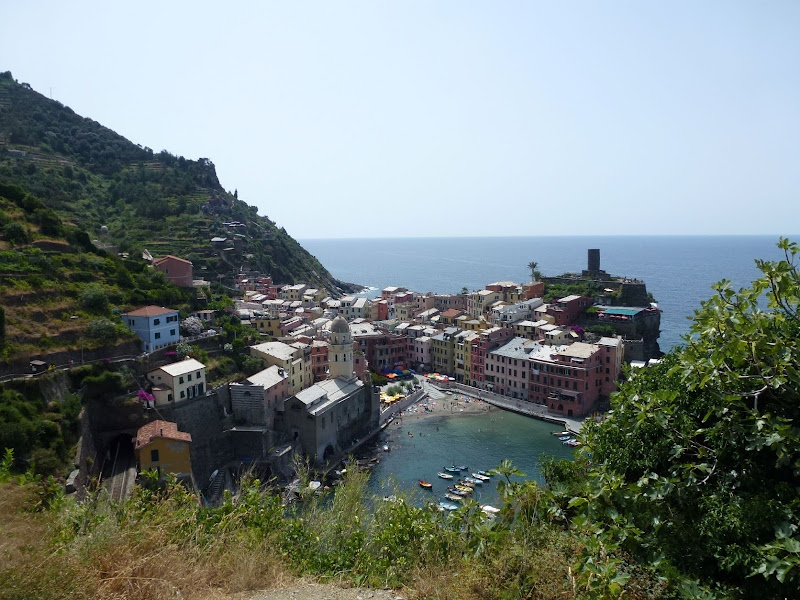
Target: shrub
{"type": "Point", "coordinates": [192, 326]}
{"type": "Point", "coordinates": [16, 234]}
{"type": "Point", "coordinates": [94, 299]}
{"type": "Point", "coordinates": [102, 330]}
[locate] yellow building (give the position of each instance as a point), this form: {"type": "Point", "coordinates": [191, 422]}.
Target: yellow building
{"type": "Point", "coordinates": [267, 325]}
{"type": "Point", "coordinates": [159, 445]}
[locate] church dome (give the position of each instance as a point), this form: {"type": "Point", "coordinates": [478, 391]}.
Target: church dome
{"type": "Point", "coordinates": [339, 325]}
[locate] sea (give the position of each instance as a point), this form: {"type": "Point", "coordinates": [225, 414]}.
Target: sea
{"type": "Point", "coordinates": [678, 270]}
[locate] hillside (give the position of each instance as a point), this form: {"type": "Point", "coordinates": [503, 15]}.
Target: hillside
{"type": "Point", "coordinates": [129, 198]}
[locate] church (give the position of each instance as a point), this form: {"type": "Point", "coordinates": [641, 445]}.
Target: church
{"type": "Point", "coordinates": [324, 420]}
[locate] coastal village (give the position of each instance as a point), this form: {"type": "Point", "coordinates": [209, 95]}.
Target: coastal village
{"type": "Point", "coordinates": [327, 359]}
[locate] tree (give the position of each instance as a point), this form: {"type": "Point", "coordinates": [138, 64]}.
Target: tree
{"type": "Point", "coordinates": [535, 273]}
{"type": "Point", "coordinates": [15, 234]}
{"type": "Point", "coordinates": [95, 299]}
{"type": "Point", "coordinates": [697, 468]}
{"type": "Point", "coordinates": [2, 325]}
{"type": "Point", "coordinates": [192, 326]}
{"type": "Point", "coordinates": [102, 330]}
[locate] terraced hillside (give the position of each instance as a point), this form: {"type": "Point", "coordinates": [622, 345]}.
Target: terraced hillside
{"type": "Point", "coordinates": [129, 198]}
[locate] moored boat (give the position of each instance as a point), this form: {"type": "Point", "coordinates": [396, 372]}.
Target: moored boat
{"type": "Point", "coordinates": [559, 433]}
{"type": "Point", "coordinates": [447, 505]}
{"type": "Point", "coordinates": [462, 468]}
{"type": "Point", "coordinates": [464, 488]}
{"type": "Point", "coordinates": [452, 497]}
{"type": "Point", "coordinates": [427, 485]}
{"type": "Point", "coordinates": [489, 509]}
{"type": "Point", "coordinates": [466, 483]}
{"type": "Point", "coordinates": [473, 480]}
{"type": "Point", "coordinates": [452, 469]}
{"type": "Point", "coordinates": [484, 473]}
{"type": "Point", "coordinates": [445, 475]}
{"type": "Point", "coordinates": [457, 491]}
{"type": "Point", "coordinates": [480, 477]}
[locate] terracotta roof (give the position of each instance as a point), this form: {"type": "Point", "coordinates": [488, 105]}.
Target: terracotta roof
{"type": "Point", "coordinates": [451, 313]}
{"type": "Point", "coordinates": [150, 311]}
{"type": "Point", "coordinates": [162, 259]}
{"type": "Point", "coordinates": [160, 429]}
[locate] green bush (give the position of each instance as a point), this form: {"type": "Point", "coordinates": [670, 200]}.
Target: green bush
{"type": "Point", "coordinates": [95, 299]}
{"type": "Point", "coordinates": [102, 330]}
{"type": "Point", "coordinates": [16, 234]}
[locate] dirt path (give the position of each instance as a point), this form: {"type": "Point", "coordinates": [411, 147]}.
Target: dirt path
{"type": "Point", "coordinates": [308, 590]}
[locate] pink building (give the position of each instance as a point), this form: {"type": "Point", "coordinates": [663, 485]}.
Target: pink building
{"type": "Point", "coordinates": [508, 368]}
{"type": "Point", "coordinates": [178, 271]}
{"type": "Point", "coordinates": [487, 340]}
{"type": "Point", "coordinates": [568, 379]}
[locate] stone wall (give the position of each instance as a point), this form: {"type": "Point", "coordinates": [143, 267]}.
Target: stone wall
{"type": "Point", "coordinates": [207, 418]}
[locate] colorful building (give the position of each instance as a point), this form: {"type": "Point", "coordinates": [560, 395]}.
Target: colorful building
{"type": "Point", "coordinates": [178, 381]}
{"type": "Point", "coordinates": [159, 445]}
{"type": "Point", "coordinates": [156, 326]}
{"type": "Point", "coordinates": [178, 271]}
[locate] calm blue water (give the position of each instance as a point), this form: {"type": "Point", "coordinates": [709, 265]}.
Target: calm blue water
{"type": "Point", "coordinates": [678, 270]}
{"type": "Point", "coordinates": [479, 441]}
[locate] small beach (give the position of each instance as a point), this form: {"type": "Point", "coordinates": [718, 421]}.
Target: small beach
{"type": "Point", "coordinates": [449, 404]}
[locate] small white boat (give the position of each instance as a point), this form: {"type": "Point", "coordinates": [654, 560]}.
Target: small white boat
{"type": "Point", "coordinates": [447, 505]}
{"type": "Point", "coordinates": [489, 509]}
{"type": "Point", "coordinates": [386, 448]}
{"type": "Point", "coordinates": [560, 433]}
{"type": "Point", "coordinates": [480, 477]}
{"type": "Point", "coordinates": [445, 475]}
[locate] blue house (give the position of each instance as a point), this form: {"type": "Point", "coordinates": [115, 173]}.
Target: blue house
{"type": "Point", "coordinates": [155, 325]}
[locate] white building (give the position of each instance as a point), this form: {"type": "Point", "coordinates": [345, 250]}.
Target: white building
{"type": "Point", "coordinates": [178, 381]}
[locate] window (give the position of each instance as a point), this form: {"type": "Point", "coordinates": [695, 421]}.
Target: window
{"type": "Point", "coordinates": [158, 336]}
{"type": "Point", "coordinates": [172, 332]}
{"type": "Point", "coordinates": [180, 380]}
{"type": "Point", "coordinates": [183, 394]}
{"type": "Point", "coordinates": [156, 321]}
{"type": "Point", "coordinates": [153, 455]}
{"type": "Point", "coordinates": [189, 377]}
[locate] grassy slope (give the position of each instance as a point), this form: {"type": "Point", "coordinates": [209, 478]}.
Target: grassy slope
{"type": "Point", "coordinates": [93, 177]}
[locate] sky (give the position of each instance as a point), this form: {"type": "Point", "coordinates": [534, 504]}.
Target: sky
{"type": "Point", "coordinates": [448, 118]}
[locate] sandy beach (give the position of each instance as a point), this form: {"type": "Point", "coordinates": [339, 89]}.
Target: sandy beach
{"type": "Point", "coordinates": [450, 404]}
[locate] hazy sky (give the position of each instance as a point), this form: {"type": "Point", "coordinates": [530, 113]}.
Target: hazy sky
{"type": "Point", "coordinates": [362, 119]}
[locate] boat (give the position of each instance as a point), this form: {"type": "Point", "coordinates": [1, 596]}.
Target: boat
{"type": "Point", "coordinates": [386, 448]}
{"type": "Point", "coordinates": [489, 509]}
{"type": "Point", "coordinates": [452, 497]}
{"type": "Point", "coordinates": [485, 473]}
{"type": "Point", "coordinates": [452, 469]}
{"type": "Point", "coordinates": [480, 477]}
{"type": "Point", "coordinates": [464, 488]}
{"type": "Point", "coordinates": [457, 491]}
{"type": "Point", "coordinates": [445, 475]}
{"type": "Point", "coordinates": [427, 485]}
{"type": "Point", "coordinates": [462, 468]}
{"type": "Point", "coordinates": [574, 443]}
{"type": "Point", "coordinates": [447, 505]}
{"type": "Point", "coordinates": [472, 480]}
{"type": "Point", "coordinates": [564, 438]}
{"type": "Point", "coordinates": [559, 433]}
{"type": "Point", "coordinates": [466, 483]}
